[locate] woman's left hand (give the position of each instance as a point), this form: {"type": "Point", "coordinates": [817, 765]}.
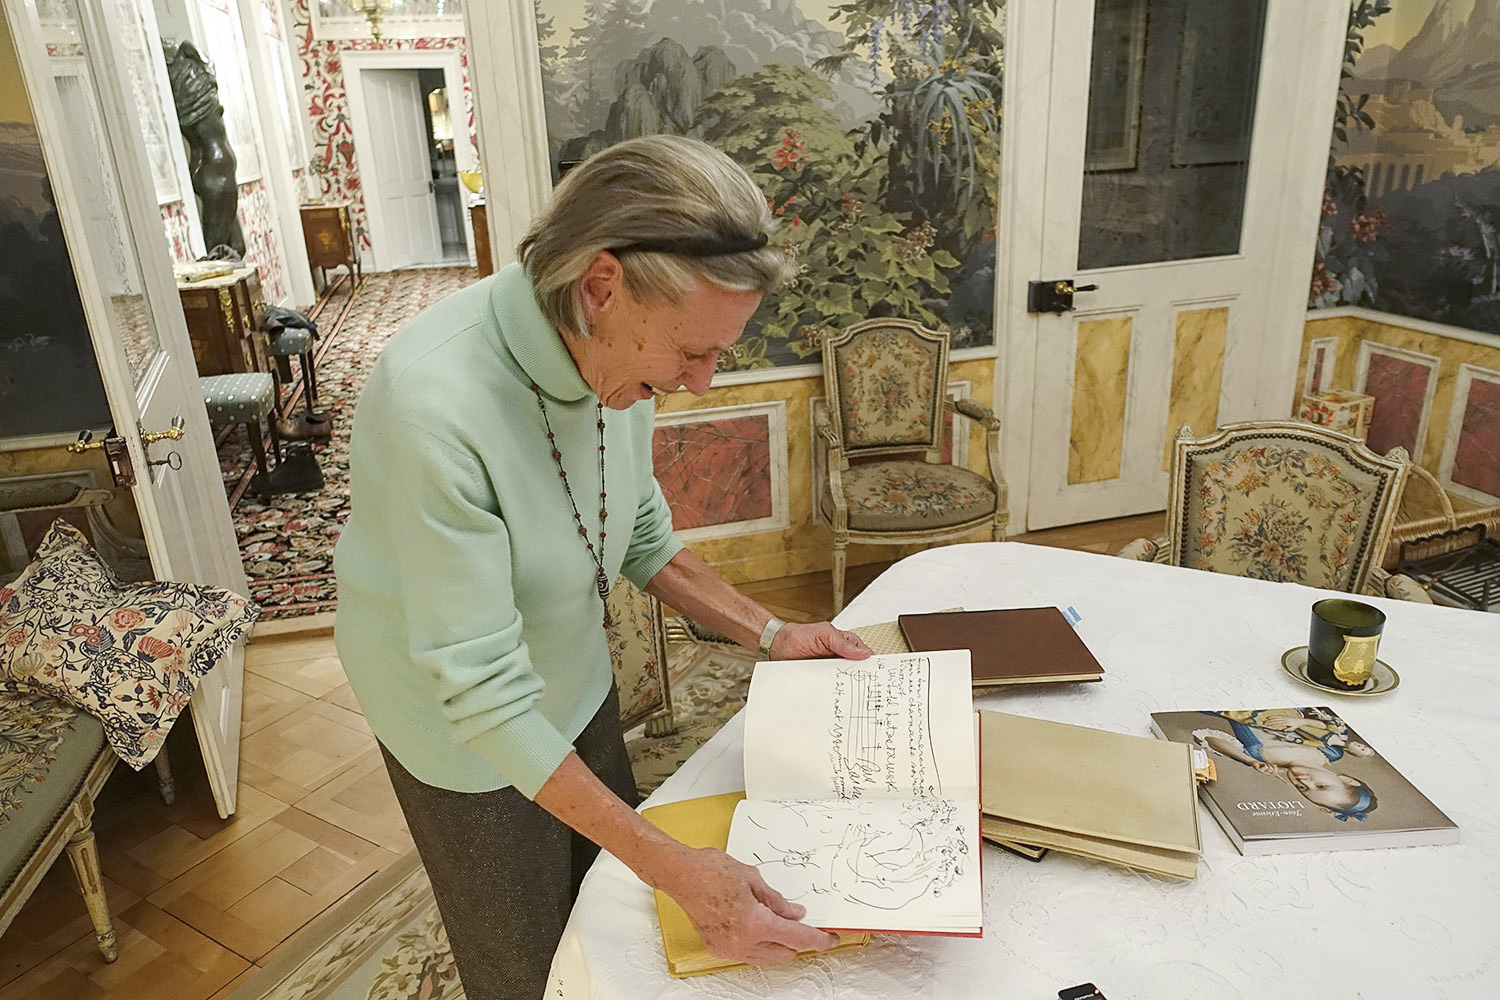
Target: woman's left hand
{"type": "Point", "coordinates": [815, 641]}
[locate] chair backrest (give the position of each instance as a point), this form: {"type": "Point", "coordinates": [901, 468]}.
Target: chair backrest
{"type": "Point", "coordinates": [1284, 501]}
{"type": "Point", "coordinates": [886, 381]}
{"type": "Point", "coordinates": [637, 640]}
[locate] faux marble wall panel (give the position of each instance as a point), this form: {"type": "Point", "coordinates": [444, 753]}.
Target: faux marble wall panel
{"type": "Point", "coordinates": [1100, 365]}
{"type": "Point", "coordinates": [1197, 373]}
{"type": "Point", "coordinates": [1453, 353]}
{"type": "Point", "coordinates": [1476, 461]}
{"type": "Point", "coordinates": [1400, 387]}
{"type": "Point", "coordinates": [715, 471]}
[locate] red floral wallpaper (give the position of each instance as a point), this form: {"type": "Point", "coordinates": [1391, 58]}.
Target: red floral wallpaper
{"type": "Point", "coordinates": [335, 175]}
{"type": "Point", "coordinates": [174, 222]}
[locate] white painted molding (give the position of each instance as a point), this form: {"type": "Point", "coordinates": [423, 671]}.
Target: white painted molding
{"type": "Point", "coordinates": [775, 414]}
{"type": "Point", "coordinates": [505, 72]}
{"type": "Point", "coordinates": [1490, 340]}
{"type": "Point", "coordinates": [355, 62]}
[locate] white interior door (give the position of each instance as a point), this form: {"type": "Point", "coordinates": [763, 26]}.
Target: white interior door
{"type": "Point", "coordinates": [97, 166]}
{"type": "Point", "coordinates": [407, 221]}
{"type": "Point", "coordinates": [1175, 179]}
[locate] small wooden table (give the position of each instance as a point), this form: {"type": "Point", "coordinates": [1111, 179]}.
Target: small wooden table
{"type": "Point", "coordinates": [482, 258]}
{"type": "Point", "coordinates": [329, 234]}
{"type": "Point", "coordinates": [223, 315]}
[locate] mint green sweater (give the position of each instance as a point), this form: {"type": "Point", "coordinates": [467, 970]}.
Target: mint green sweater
{"type": "Point", "coordinates": [468, 619]}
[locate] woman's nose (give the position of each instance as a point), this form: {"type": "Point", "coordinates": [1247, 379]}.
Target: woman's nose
{"type": "Point", "coordinates": [698, 375]}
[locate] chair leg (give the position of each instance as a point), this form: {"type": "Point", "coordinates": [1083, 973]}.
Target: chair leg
{"type": "Point", "coordinates": [258, 445]}
{"type": "Point", "coordinates": [309, 383]}
{"type": "Point", "coordinates": [839, 555]}
{"type": "Point", "coordinates": [83, 854]}
{"type": "Point", "coordinates": [165, 783]}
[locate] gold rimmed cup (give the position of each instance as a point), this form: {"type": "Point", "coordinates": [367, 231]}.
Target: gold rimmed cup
{"type": "Point", "coordinates": [1343, 641]}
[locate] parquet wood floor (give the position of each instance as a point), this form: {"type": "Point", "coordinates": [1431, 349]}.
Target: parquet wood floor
{"type": "Point", "coordinates": [199, 902]}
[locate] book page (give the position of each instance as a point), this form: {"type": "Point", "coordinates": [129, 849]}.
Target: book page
{"type": "Point", "coordinates": [893, 726]}
{"type": "Point", "coordinates": [880, 865]}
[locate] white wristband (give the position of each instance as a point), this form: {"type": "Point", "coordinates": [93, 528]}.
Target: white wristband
{"type": "Point", "coordinates": [768, 636]}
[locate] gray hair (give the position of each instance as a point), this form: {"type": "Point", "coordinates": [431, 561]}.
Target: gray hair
{"type": "Point", "coordinates": [653, 189]}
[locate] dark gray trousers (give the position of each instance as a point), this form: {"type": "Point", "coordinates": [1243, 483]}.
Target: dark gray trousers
{"type": "Point", "coordinates": [504, 872]}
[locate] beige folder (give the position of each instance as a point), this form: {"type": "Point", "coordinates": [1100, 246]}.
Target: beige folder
{"type": "Point", "coordinates": [1110, 796]}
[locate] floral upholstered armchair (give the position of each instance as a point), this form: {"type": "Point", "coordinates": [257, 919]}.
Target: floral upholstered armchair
{"type": "Point", "coordinates": [887, 384]}
{"type": "Point", "coordinates": [1285, 501]}
{"type": "Point", "coordinates": [637, 638]}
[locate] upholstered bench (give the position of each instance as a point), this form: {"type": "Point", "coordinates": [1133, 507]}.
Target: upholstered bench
{"type": "Point", "coordinates": [53, 762]}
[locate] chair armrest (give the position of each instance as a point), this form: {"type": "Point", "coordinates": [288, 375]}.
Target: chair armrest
{"type": "Point", "coordinates": [1143, 549]}
{"type": "Point", "coordinates": [975, 411]}
{"type": "Point", "coordinates": [1397, 585]}
{"type": "Point", "coordinates": [824, 429]}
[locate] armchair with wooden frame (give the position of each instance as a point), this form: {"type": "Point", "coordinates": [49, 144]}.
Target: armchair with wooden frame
{"type": "Point", "coordinates": [1285, 501]}
{"type": "Point", "coordinates": [887, 386]}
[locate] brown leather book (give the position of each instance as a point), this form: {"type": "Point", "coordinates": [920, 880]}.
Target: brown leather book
{"type": "Point", "coordinates": [1012, 646]}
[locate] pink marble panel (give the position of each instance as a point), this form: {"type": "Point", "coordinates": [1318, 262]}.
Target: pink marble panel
{"type": "Point", "coordinates": [715, 471]}
{"type": "Point", "coordinates": [1320, 355]}
{"type": "Point", "coordinates": [1400, 389]}
{"type": "Point", "coordinates": [1476, 462]}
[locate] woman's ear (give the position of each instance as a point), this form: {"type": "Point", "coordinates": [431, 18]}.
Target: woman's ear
{"type": "Point", "coordinates": [601, 284]}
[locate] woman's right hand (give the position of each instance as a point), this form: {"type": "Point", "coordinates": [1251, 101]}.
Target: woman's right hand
{"type": "Point", "coordinates": [736, 913]}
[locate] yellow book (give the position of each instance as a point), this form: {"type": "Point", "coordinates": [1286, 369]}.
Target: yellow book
{"type": "Point", "coordinates": [702, 822]}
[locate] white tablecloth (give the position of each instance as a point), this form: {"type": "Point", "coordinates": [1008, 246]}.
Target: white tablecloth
{"type": "Point", "coordinates": [1401, 923]}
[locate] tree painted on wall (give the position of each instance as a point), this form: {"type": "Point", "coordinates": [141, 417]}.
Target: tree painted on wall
{"type": "Point", "coordinates": [879, 154]}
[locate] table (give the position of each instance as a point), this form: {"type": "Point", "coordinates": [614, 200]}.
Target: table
{"type": "Point", "coordinates": [1398, 923]}
{"type": "Point", "coordinates": [328, 235]}
{"type": "Point", "coordinates": [223, 315]}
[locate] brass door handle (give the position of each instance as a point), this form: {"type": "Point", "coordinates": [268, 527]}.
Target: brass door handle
{"type": "Point", "coordinates": [174, 433]}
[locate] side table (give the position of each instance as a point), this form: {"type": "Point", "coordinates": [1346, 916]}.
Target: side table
{"type": "Point", "coordinates": [329, 235]}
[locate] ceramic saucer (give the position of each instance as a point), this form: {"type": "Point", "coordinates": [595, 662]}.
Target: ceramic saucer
{"type": "Point", "coordinates": [1382, 678]}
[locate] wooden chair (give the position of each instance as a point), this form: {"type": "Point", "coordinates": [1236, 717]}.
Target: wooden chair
{"type": "Point", "coordinates": [637, 638]}
{"type": "Point", "coordinates": [53, 762]}
{"type": "Point", "coordinates": [887, 385]}
{"type": "Point", "coordinates": [1285, 501]}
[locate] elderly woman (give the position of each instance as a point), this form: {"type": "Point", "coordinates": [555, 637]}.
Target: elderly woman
{"type": "Point", "coordinates": [501, 466]}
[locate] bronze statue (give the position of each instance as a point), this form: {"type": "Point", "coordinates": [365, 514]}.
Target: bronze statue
{"type": "Point", "coordinates": [211, 161]}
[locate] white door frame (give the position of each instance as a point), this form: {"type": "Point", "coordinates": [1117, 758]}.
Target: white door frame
{"type": "Point", "coordinates": [1029, 105]}
{"type": "Point", "coordinates": [277, 169]}
{"type": "Point", "coordinates": [184, 513]}
{"type": "Point", "coordinates": [355, 63]}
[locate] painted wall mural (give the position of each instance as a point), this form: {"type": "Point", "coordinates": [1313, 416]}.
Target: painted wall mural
{"type": "Point", "coordinates": [1411, 214]}
{"type": "Point", "coordinates": [873, 127]}
{"type": "Point", "coordinates": [333, 173]}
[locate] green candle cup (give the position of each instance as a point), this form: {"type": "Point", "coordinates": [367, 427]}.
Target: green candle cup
{"type": "Point", "coordinates": [1342, 644]}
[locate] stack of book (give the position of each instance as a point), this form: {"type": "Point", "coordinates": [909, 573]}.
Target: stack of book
{"type": "Point", "coordinates": [1129, 800]}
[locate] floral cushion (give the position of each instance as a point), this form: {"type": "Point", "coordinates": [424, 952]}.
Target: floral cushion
{"type": "Point", "coordinates": [130, 655]}
{"type": "Point", "coordinates": [637, 645]}
{"type": "Point", "coordinates": [887, 384]}
{"type": "Point", "coordinates": [912, 496]}
{"type": "Point", "coordinates": [1286, 512]}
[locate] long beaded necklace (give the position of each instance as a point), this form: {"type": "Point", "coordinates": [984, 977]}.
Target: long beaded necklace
{"type": "Point", "coordinates": [601, 578]}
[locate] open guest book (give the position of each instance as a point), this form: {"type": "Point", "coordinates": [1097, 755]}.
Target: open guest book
{"type": "Point", "coordinates": [1009, 645]}
{"type": "Point", "coordinates": [862, 791]}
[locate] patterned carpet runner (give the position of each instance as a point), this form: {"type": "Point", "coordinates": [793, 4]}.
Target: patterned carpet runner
{"type": "Point", "coordinates": [287, 543]}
